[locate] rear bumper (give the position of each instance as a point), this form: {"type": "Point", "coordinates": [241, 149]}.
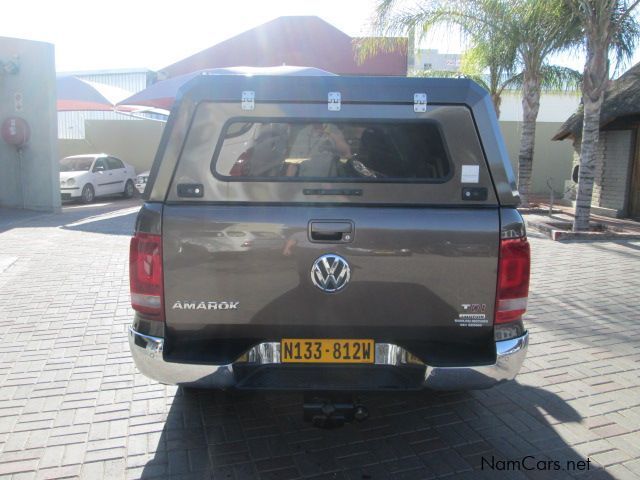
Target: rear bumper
{"type": "Point", "coordinates": [264, 358]}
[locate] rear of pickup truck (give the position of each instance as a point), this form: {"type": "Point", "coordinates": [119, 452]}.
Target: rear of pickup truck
{"type": "Point", "coordinates": [329, 233]}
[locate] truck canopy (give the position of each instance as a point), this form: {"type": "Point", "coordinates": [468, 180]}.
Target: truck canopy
{"type": "Point", "coordinates": [208, 105]}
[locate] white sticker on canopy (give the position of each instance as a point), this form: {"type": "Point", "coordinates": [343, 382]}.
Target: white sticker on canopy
{"type": "Point", "coordinates": [470, 174]}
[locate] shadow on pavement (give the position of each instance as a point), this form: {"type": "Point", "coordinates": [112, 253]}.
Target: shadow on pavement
{"type": "Point", "coordinates": [480, 434]}
{"type": "Point", "coordinates": [115, 216]}
{"type": "Point", "coordinates": [118, 222]}
{"type": "Point", "coordinates": [11, 217]}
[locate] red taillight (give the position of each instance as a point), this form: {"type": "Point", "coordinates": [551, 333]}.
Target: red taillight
{"type": "Point", "coordinates": [145, 275]}
{"type": "Point", "coordinates": [513, 279]}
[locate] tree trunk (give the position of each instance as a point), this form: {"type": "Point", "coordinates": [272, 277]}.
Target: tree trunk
{"type": "Point", "coordinates": [494, 88]}
{"type": "Point", "coordinates": [596, 74]}
{"type": "Point", "coordinates": [530, 108]}
{"type": "Point", "coordinates": [497, 100]}
{"type": "Point", "coordinates": [590, 137]}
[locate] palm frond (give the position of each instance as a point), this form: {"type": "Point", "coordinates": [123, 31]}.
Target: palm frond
{"type": "Point", "coordinates": [624, 38]}
{"type": "Point", "coordinates": [475, 18]}
{"type": "Point", "coordinates": [553, 78]}
{"type": "Point", "coordinates": [367, 47]}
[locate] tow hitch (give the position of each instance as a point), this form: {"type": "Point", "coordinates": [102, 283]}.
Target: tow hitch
{"type": "Point", "coordinates": [329, 411]}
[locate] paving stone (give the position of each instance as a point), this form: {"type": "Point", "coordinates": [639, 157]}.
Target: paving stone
{"type": "Point", "coordinates": [611, 457]}
{"type": "Point", "coordinates": [73, 405]}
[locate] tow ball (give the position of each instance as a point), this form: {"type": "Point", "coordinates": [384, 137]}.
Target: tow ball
{"type": "Point", "coordinates": [332, 411]}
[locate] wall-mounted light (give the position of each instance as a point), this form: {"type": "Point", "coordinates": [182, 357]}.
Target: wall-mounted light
{"type": "Point", "coordinates": [10, 67]}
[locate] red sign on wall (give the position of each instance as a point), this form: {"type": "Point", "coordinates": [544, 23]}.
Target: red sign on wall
{"type": "Point", "coordinates": [16, 131]}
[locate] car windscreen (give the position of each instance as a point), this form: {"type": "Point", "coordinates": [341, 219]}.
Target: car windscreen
{"type": "Point", "coordinates": [77, 164]}
{"type": "Point", "coordinates": [321, 151]}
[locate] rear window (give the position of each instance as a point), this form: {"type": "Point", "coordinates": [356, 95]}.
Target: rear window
{"type": "Point", "coordinates": [353, 151]}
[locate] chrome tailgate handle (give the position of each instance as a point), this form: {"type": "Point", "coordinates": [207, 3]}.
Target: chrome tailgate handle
{"type": "Point", "coordinates": [331, 231]}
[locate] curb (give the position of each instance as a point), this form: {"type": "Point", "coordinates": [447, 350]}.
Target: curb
{"type": "Point", "coordinates": [558, 234]}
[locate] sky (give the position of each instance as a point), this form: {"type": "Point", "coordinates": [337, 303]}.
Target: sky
{"type": "Point", "coordinates": [92, 35]}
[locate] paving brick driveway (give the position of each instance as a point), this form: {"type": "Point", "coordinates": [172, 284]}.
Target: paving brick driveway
{"type": "Point", "coordinates": [72, 404]}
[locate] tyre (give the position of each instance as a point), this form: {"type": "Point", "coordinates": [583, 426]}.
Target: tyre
{"type": "Point", "coordinates": [88, 194]}
{"type": "Point", "coordinates": [129, 189]}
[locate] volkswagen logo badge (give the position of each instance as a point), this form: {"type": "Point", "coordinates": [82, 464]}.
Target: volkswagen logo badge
{"type": "Point", "coordinates": [330, 273]}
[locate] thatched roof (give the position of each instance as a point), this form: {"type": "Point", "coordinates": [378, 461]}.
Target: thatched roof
{"type": "Point", "coordinates": [622, 98]}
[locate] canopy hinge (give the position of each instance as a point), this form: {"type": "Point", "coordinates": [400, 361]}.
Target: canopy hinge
{"type": "Point", "coordinates": [419, 102]}
{"type": "Point", "coordinates": [248, 100]}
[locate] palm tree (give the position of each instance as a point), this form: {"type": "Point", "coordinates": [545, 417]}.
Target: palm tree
{"type": "Point", "coordinates": [553, 78]}
{"type": "Point", "coordinates": [607, 25]}
{"type": "Point", "coordinates": [519, 32]}
{"type": "Point", "coordinates": [491, 50]}
{"type": "Point", "coordinates": [541, 28]}
{"type": "Point", "coordinates": [473, 66]}
{"type": "Point", "coordinates": [498, 62]}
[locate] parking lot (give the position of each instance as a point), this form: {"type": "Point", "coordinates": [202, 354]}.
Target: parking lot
{"type": "Point", "coordinates": [73, 405]}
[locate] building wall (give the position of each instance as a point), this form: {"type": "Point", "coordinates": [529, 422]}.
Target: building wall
{"type": "Point", "coordinates": [551, 160]}
{"type": "Point", "coordinates": [71, 124]}
{"type": "Point", "coordinates": [431, 59]}
{"type": "Point", "coordinates": [131, 80]}
{"type": "Point", "coordinates": [30, 180]}
{"type": "Point", "coordinates": [598, 170]}
{"type": "Point", "coordinates": [133, 142]}
{"type": "Point", "coordinates": [136, 143]}
{"type": "Point", "coordinates": [554, 106]}
{"type": "Point", "coordinates": [612, 173]}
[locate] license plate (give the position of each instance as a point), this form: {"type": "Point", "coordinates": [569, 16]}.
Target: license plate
{"type": "Point", "coordinates": [327, 350]}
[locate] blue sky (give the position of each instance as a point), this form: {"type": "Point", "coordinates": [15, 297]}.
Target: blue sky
{"type": "Point", "coordinates": [91, 35]}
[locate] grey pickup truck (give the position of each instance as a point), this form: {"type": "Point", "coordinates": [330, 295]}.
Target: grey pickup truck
{"type": "Point", "coordinates": [330, 234]}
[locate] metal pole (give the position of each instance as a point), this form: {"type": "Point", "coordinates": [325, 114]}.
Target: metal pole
{"type": "Point", "coordinates": [551, 193]}
{"type": "Point", "coordinates": [21, 179]}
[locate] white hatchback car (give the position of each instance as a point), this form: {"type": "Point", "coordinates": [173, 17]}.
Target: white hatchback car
{"type": "Point", "coordinates": [86, 177]}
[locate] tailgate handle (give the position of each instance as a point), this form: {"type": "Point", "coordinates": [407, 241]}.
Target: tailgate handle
{"type": "Point", "coordinates": [331, 231]}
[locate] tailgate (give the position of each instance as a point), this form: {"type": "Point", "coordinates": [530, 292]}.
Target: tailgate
{"type": "Point", "coordinates": [419, 276]}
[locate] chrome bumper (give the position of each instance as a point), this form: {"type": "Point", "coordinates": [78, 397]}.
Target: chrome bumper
{"type": "Point", "coordinates": [147, 354]}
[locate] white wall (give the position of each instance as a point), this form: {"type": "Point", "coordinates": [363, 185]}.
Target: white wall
{"type": "Point", "coordinates": [552, 161]}
{"type": "Point", "coordinates": [71, 125]}
{"type": "Point", "coordinates": [30, 180]}
{"type": "Point", "coordinates": [554, 107]}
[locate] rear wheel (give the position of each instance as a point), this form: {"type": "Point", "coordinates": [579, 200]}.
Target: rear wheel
{"type": "Point", "coordinates": [88, 194]}
{"type": "Point", "coordinates": [129, 189]}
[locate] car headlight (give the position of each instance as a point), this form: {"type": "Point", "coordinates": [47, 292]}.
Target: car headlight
{"type": "Point", "coordinates": [71, 181]}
